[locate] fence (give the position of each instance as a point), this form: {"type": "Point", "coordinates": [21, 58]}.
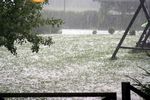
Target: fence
{"type": "Point", "coordinates": [106, 96]}
{"type": "Point", "coordinates": [126, 94]}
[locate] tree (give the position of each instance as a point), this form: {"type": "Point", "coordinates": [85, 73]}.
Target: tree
{"type": "Point", "coordinates": [17, 20]}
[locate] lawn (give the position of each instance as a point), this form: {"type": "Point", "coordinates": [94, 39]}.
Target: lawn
{"type": "Point", "coordinates": [74, 63]}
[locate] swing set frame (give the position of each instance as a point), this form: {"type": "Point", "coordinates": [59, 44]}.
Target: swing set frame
{"type": "Point", "coordinates": [141, 44]}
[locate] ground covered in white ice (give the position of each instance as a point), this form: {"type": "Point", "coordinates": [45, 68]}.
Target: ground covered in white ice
{"type": "Point", "coordinates": [74, 63]}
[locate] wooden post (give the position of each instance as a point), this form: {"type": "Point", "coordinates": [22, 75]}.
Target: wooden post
{"type": "Point", "coordinates": [126, 95]}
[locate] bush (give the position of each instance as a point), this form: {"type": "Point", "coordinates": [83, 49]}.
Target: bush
{"type": "Point", "coordinates": [60, 31]}
{"type": "Point", "coordinates": [111, 30]}
{"type": "Point", "coordinates": [132, 32]}
{"type": "Point", "coordinates": [94, 32]}
{"type": "Point", "coordinates": [55, 29]}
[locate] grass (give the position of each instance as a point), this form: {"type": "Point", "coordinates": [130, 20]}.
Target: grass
{"type": "Point", "coordinates": [78, 63]}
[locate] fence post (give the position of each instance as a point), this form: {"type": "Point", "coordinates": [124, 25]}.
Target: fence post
{"type": "Point", "coordinates": [1, 98]}
{"type": "Point", "coordinates": [126, 91]}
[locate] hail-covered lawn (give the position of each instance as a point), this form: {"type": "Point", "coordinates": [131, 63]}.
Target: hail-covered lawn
{"type": "Point", "coordinates": [74, 63]}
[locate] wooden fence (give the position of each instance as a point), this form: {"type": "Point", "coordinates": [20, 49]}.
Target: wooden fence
{"type": "Point", "coordinates": [126, 94]}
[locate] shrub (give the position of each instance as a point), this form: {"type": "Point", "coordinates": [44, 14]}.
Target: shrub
{"type": "Point", "coordinates": [94, 32]}
{"type": "Point", "coordinates": [111, 30]}
{"type": "Point", "coordinates": [132, 32]}
{"type": "Point", "coordinates": [143, 87]}
{"type": "Point", "coordinates": [55, 29]}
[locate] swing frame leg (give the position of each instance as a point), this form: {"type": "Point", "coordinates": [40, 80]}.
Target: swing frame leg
{"type": "Point", "coordinates": [126, 32]}
{"type": "Point", "coordinates": [146, 38]}
{"type": "Point", "coordinates": [141, 6]}
{"type": "Point", "coordinates": [142, 36]}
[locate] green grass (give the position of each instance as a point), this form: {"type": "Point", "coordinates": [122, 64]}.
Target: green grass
{"type": "Point", "coordinates": [79, 63]}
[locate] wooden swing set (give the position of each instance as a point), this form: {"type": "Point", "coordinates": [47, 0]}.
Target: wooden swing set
{"type": "Point", "coordinates": [144, 40]}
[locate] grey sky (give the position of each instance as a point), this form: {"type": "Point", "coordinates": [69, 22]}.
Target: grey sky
{"type": "Point", "coordinates": [72, 5]}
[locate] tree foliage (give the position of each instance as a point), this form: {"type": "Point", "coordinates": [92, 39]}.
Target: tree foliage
{"type": "Point", "coordinates": [17, 20]}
